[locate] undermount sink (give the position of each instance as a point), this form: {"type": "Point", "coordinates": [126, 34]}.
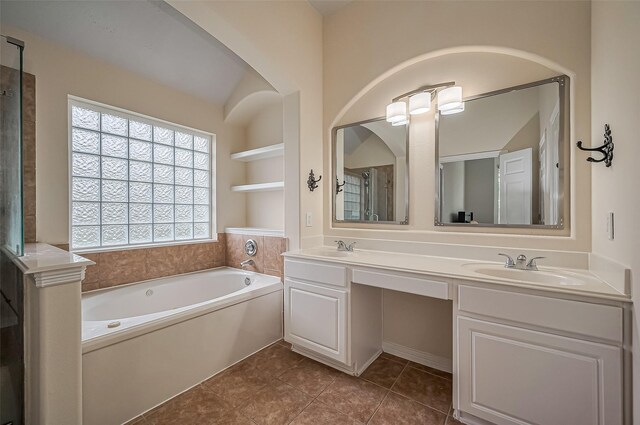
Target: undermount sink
{"type": "Point", "coordinates": [528, 276]}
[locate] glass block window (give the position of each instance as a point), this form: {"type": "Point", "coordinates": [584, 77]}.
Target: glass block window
{"type": "Point", "coordinates": [352, 197]}
{"type": "Point", "coordinates": [136, 180]}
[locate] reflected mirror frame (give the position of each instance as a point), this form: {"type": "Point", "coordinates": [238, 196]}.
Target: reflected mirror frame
{"type": "Point", "coordinates": [563, 157]}
{"type": "Point", "coordinates": [334, 176]}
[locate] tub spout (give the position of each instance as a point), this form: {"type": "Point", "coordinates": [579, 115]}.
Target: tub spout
{"type": "Point", "coordinates": [247, 263]}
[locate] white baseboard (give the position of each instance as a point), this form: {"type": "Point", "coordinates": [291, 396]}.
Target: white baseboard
{"type": "Point", "coordinates": [427, 359]}
{"type": "Point", "coordinates": [360, 369]}
{"type": "Point", "coordinates": [319, 358]}
{"type": "Point", "coordinates": [468, 419]}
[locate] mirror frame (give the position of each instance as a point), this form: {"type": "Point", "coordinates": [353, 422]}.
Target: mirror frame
{"type": "Point", "coordinates": [564, 160]}
{"type": "Point", "coordinates": [334, 132]}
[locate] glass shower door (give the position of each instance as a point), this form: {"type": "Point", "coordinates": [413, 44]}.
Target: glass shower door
{"type": "Point", "coordinates": [11, 234]}
{"type": "Point", "coordinates": [11, 220]}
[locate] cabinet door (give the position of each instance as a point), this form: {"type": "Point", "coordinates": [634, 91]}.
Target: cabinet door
{"type": "Point", "coordinates": [509, 375]}
{"type": "Point", "coordinates": [316, 319]}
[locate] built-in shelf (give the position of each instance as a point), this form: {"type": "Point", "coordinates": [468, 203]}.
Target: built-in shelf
{"type": "Point", "coordinates": [258, 231]}
{"type": "Point", "coordinates": [265, 152]}
{"type": "Point", "coordinates": [259, 187]}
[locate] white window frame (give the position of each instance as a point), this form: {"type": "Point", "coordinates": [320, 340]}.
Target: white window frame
{"type": "Point", "coordinates": [104, 108]}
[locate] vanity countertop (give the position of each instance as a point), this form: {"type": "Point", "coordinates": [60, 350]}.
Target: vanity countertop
{"type": "Point", "coordinates": [459, 268]}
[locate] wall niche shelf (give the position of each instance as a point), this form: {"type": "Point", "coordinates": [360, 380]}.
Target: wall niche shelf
{"type": "Point", "coordinates": [265, 152]}
{"type": "Point", "coordinates": [259, 187]}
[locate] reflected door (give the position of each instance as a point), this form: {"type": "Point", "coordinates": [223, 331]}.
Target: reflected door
{"type": "Point", "coordinates": [515, 187]}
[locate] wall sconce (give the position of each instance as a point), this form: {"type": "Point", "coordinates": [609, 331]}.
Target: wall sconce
{"type": "Point", "coordinates": [449, 102]}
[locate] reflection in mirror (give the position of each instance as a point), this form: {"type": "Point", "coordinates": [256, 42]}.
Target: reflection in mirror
{"type": "Point", "coordinates": [501, 161]}
{"type": "Point", "coordinates": [370, 172]}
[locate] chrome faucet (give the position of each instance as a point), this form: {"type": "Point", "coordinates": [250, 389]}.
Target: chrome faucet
{"type": "Point", "coordinates": [247, 263]}
{"type": "Point", "coordinates": [342, 246]}
{"type": "Point", "coordinates": [521, 262]}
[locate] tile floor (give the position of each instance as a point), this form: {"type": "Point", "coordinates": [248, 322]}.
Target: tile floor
{"type": "Point", "coordinates": [277, 386]}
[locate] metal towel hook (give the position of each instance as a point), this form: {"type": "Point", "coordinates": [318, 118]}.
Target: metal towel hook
{"type": "Point", "coordinates": [606, 149]}
{"type": "Point", "coordinates": [312, 183]}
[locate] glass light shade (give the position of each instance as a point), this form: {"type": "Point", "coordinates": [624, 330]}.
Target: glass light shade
{"type": "Point", "coordinates": [400, 122]}
{"type": "Point", "coordinates": [453, 110]}
{"type": "Point", "coordinates": [450, 98]}
{"type": "Point", "coordinates": [420, 103]}
{"type": "Point", "coordinates": [396, 111]}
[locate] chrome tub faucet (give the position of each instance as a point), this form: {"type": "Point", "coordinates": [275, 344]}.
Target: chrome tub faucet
{"type": "Point", "coordinates": [247, 263]}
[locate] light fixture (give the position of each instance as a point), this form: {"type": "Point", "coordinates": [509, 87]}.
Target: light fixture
{"type": "Point", "coordinates": [453, 110]}
{"type": "Point", "coordinates": [450, 100]}
{"type": "Point", "coordinates": [400, 122]}
{"type": "Point", "coordinates": [420, 103]}
{"type": "Point", "coordinates": [396, 111]}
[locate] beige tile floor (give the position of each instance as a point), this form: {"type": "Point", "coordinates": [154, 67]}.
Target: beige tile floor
{"type": "Point", "coordinates": [277, 386]}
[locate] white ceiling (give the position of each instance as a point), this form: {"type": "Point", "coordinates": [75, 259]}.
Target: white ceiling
{"type": "Point", "coordinates": [395, 137]}
{"type": "Point", "coordinates": [327, 7]}
{"type": "Point", "coordinates": [147, 37]}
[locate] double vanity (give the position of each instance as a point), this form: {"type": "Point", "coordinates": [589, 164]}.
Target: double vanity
{"type": "Point", "coordinates": [531, 345]}
{"type": "Point", "coordinates": [557, 339]}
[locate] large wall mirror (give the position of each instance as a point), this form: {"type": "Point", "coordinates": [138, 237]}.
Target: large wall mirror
{"type": "Point", "coordinates": [502, 161]}
{"type": "Point", "coordinates": [370, 172]}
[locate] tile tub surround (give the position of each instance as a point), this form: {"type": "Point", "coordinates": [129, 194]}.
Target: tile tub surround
{"type": "Point", "coordinates": [299, 391]}
{"type": "Point", "coordinates": [268, 258]}
{"type": "Point", "coordinates": [134, 265]}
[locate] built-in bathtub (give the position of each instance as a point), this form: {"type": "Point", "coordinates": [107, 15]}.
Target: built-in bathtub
{"type": "Point", "coordinates": [144, 343]}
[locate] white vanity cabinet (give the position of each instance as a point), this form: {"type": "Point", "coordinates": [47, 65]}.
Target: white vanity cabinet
{"type": "Point", "coordinates": [328, 318]}
{"type": "Point", "coordinates": [316, 318]}
{"type": "Point", "coordinates": [523, 358]}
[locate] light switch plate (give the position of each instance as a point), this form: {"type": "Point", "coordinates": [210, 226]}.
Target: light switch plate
{"type": "Point", "coordinates": [610, 226]}
{"type": "Point", "coordinates": [309, 219]}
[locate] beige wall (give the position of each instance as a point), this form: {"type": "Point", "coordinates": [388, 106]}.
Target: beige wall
{"type": "Point", "coordinates": [61, 72]}
{"type": "Point", "coordinates": [265, 209]}
{"type": "Point", "coordinates": [283, 42]}
{"type": "Point", "coordinates": [374, 51]}
{"type": "Point", "coordinates": [615, 86]}
{"type": "Point", "coordinates": [360, 80]}
{"type": "Point", "coordinates": [407, 315]}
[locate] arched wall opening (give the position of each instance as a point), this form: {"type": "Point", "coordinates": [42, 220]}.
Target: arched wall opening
{"type": "Point", "coordinates": [478, 69]}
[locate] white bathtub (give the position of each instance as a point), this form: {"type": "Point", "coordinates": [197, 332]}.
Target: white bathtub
{"type": "Point", "coordinates": [169, 334]}
{"type": "Point", "coordinates": [154, 303]}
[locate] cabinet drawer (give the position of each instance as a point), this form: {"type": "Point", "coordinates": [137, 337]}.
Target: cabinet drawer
{"type": "Point", "coordinates": [316, 272]}
{"type": "Point", "coordinates": [400, 282]}
{"type": "Point", "coordinates": [593, 320]}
